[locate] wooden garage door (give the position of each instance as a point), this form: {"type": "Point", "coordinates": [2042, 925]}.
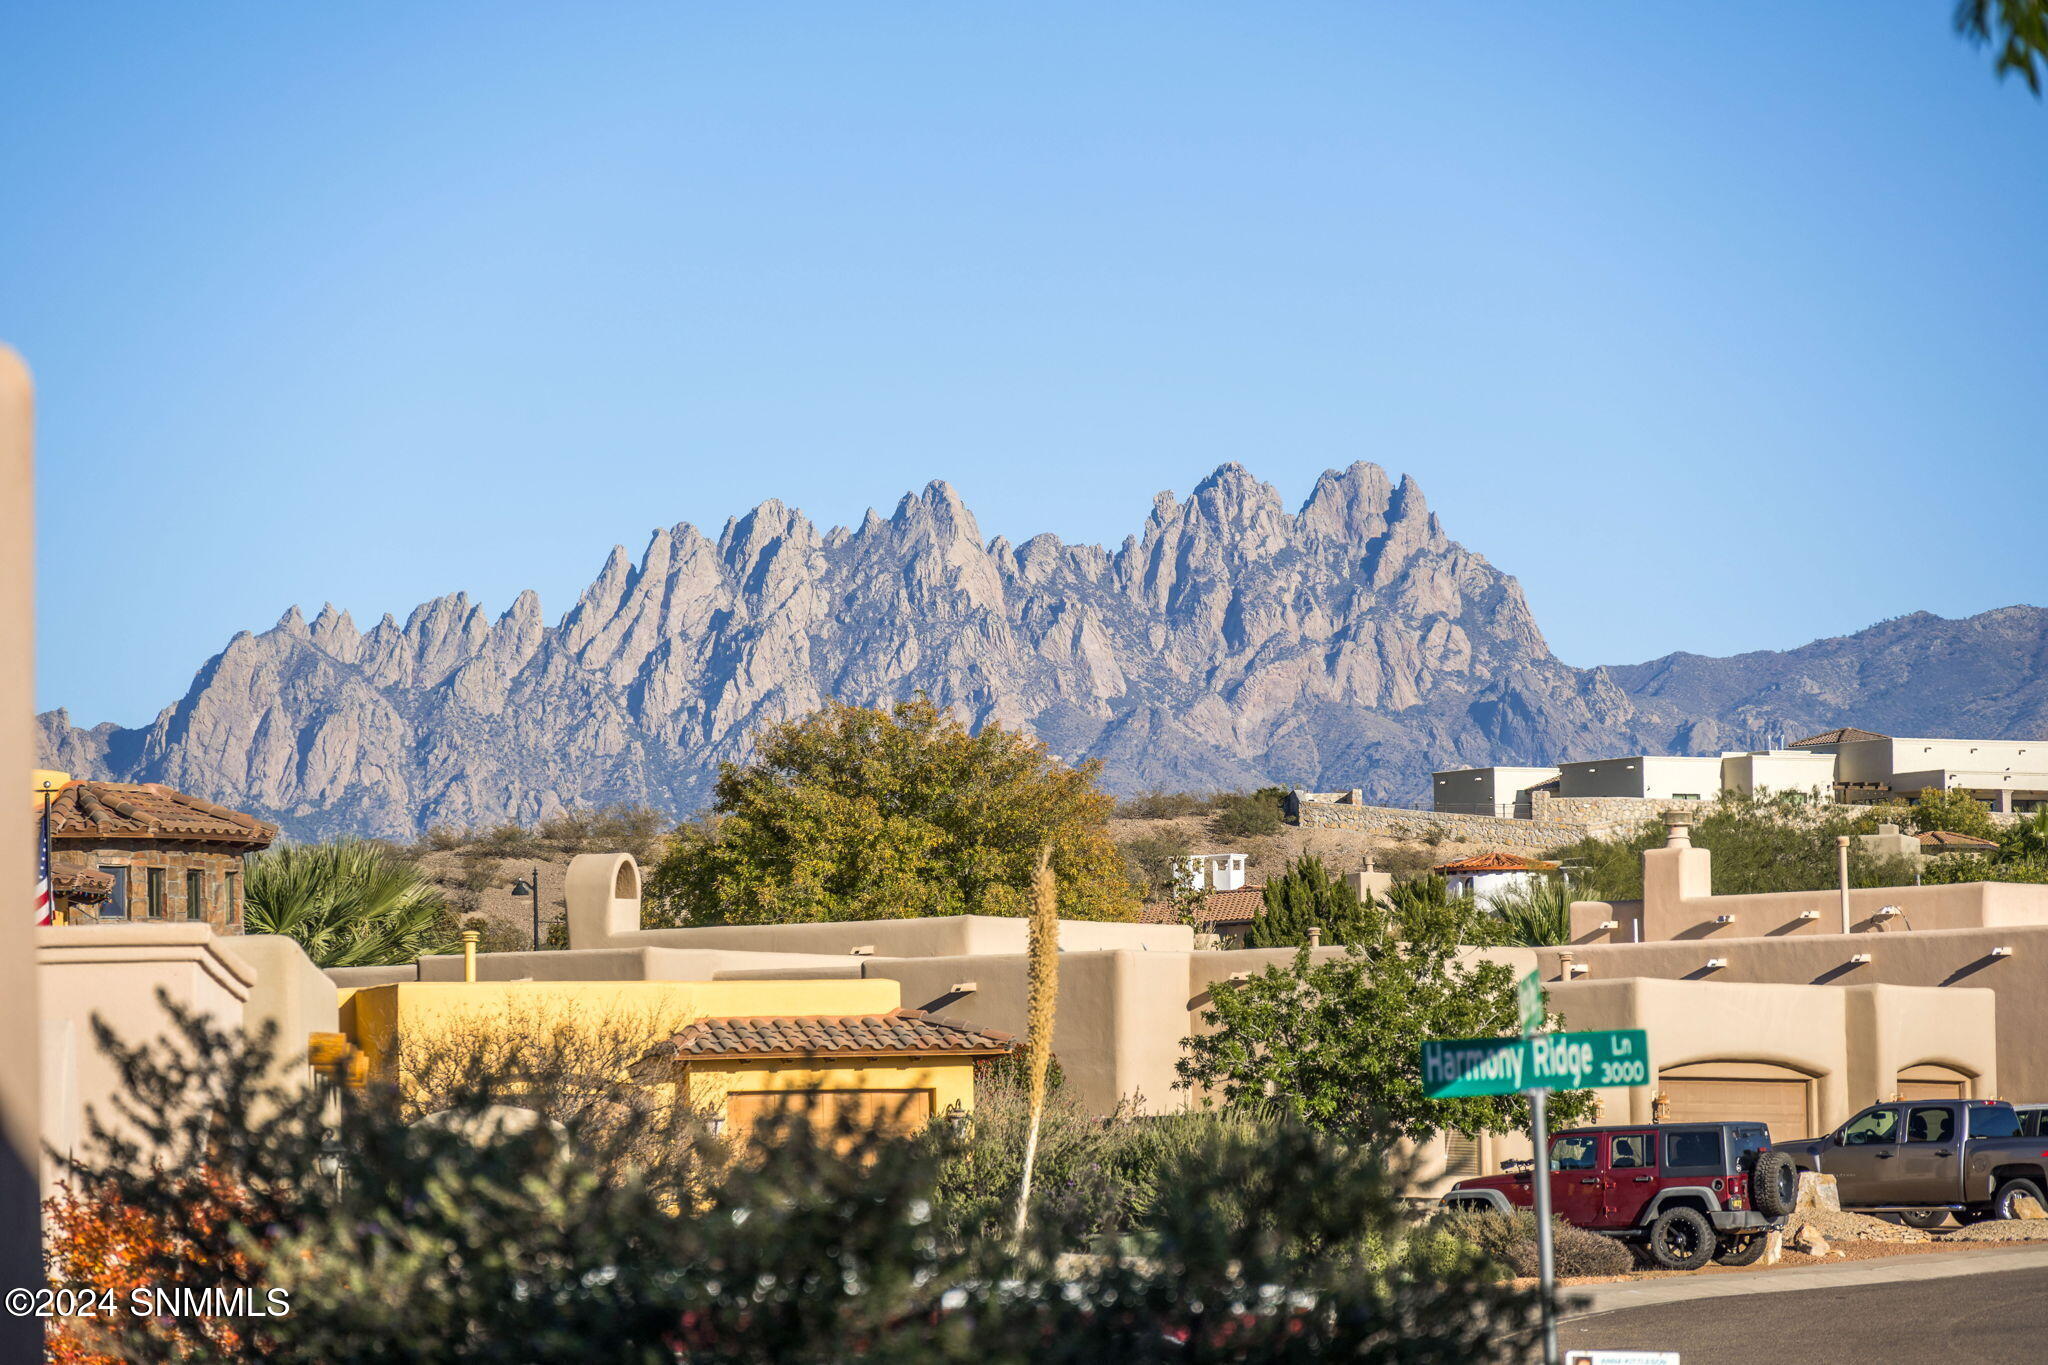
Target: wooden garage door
{"type": "Point", "coordinates": [890, 1111]}
{"type": "Point", "coordinates": [1781, 1104]}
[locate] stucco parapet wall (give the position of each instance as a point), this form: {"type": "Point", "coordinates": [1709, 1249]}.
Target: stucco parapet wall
{"type": "Point", "coordinates": [1808, 914]}
{"type": "Point", "coordinates": [1766, 957]}
{"type": "Point", "coordinates": [941, 936]}
{"type": "Point", "coordinates": [633, 964]}
{"type": "Point", "coordinates": [134, 944]}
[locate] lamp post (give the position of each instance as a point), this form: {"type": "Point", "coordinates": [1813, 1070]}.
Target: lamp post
{"type": "Point", "coordinates": [526, 887]}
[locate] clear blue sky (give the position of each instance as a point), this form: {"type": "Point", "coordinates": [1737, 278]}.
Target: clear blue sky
{"type": "Point", "coordinates": [1722, 326]}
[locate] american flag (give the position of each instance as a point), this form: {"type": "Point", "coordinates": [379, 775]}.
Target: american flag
{"type": "Point", "coordinates": [44, 913]}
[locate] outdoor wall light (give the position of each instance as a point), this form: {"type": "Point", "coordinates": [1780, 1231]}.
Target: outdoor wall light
{"type": "Point", "coordinates": [1578, 969]}
{"type": "Point", "coordinates": [1809, 914]}
{"type": "Point", "coordinates": [1610, 924]}
{"type": "Point", "coordinates": [965, 987]}
{"type": "Point", "coordinates": [1886, 911]}
{"type": "Point", "coordinates": [2001, 952]}
{"type": "Point", "coordinates": [1859, 957]}
{"type": "Point", "coordinates": [1716, 963]}
{"type": "Point", "coordinates": [1240, 976]}
{"type": "Point", "coordinates": [865, 950]}
{"type": "Point", "coordinates": [1724, 919]}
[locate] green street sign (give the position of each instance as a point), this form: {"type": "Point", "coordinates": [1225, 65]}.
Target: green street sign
{"type": "Point", "coordinates": [1529, 995]}
{"type": "Point", "coordinates": [1453, 1067]}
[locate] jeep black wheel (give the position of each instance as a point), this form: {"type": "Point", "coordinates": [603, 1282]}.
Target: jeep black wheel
{"type": "Point", "coordinates": [2009, 1194]}
{"type": "Point", "coordinates": [1682, 1239]}
{"type": "Point", "coordinates": [1923, 1218]}
{"type": "Point", "coordinates": [1748, 1251]}
{"type": "Point", "coordinates": [1774, 1184]}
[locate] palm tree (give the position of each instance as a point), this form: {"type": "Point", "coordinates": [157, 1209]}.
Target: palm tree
{"type": "Point", "coordinates": [350, 903]}
{"type": "Point", "coordinates": [1535, 913]}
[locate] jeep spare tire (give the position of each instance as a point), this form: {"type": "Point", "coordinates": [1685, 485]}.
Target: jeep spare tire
{"type": "Point", "coordinates": [1682, 1239]}
{"type": "Point", "coordinates": [1774, 1184]}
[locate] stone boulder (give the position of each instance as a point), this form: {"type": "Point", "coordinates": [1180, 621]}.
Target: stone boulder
{"type": "Point", "coordinates": [1817, 1192]}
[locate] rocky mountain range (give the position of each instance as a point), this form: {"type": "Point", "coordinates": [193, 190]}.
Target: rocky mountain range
{"type": "Point", "coordinates": [1229, 643]}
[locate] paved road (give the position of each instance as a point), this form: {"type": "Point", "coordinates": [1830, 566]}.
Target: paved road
{"type": "Point", "coordinates": [1990, 1318]}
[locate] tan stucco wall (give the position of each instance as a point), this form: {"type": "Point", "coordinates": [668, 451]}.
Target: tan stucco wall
{"type": "Point", "coordinates": [115, 972]}
{"type": "Point", "coordinates": [632, 964]}
{"type": "Point", "coordinates": [289, 990]}
{"type": "Point", "coordinates": [21, 1338]}
{"type": "Point", "coordinates": [1950, 961]}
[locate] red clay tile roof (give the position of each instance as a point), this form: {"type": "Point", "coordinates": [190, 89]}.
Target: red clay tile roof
{"type": "Point", "coordinates": [80, 885]}
{"type": "Point", "coordinates": [1494, 862]}
{"type": "Point", "coordinates": [1846, 735]}
{"type": "Point", "coordinates": [89, 811]}
{"type": "Point", "coordinates": [811, 1035]}
{"type": "Point", "coordinates": [1947, 840]}
{"type": "Point", "coordinates": [1241, 906]}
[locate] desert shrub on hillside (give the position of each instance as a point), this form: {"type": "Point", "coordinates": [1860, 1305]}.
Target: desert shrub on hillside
{"type": "Point", "coordinates": [1160, 805]}
{"type": "Point", "coordinates": [1248, 815]}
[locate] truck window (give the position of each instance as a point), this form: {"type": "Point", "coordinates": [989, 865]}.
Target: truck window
{"type": "Point", "coordinates": [1632, 1150]}
{"type": "Point", "coordinates": [1995, 1120]}
{"type": "Point", "coordinates": [1879, 1125]}
{"type": "Point", "coordinates": [1571, 1154]}
{"type": "Point", "coordinates": [1930, 1123]}
{"type": "Point", "coordinates": [1697, 1149]}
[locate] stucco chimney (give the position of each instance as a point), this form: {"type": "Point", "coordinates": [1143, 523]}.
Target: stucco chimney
{"type": "Point", "coordinates": [603, 894]}
{"type": "Point", "coordinates": [1674, 873]}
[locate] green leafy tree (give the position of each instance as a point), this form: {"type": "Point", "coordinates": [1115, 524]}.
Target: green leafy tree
{"type": "Point", "coordinates": [1535, 913]}
{"type": "Point", "coordinates": [2026, 840]}
{"type": "Point", "coordinates": [350, 903]}
{"type": "Point", "coordinates": [1306, 896]}
{"type": "Point", "coordinates": [2017, 28]}
{"type": "Point", "coordinates": [1339, 1043]}
{"type": "Point", "coordinates": [851, 813]}
{"type": "Point", "coordinates": [1958, 812]}
{"type": "Point", "coordinates": [1780, 841]}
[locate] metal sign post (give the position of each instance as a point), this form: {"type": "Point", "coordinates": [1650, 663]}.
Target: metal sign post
{"type": "Point", "coordinates": [1546, 1254]}
{"type": "Point", "coordinates": [1535, 1064]}
{"type": "Point", "coordinates": [1529, 996]}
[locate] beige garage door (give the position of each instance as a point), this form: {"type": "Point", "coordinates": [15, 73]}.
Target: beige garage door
{"type": "Point", "coordinates": [1930, 1090]}
{"type": "Point", "coordinates": [1705, 1099]}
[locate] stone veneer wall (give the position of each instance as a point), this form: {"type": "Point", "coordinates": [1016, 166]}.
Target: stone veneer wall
{"type": "Point", "coordinates": [1612, 811]}
{"type": "Point", "coordinates": [1394, 823]}
{"type": "Point", "coordinates": [222, 888]}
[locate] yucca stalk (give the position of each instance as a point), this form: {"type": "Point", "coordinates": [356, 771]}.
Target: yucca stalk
{"type": "Point", "coordinates": [1043, 1001]}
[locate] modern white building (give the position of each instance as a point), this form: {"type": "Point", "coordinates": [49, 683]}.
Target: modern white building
{"type": "Point", "coordinates": [1656, 777]}
{"type": "Point", "coordinates": [2006, 774]}
{"type": "Point", "coordinates": [1487, 791]}
{"type": "Point", "coordinates": [1211, 872]}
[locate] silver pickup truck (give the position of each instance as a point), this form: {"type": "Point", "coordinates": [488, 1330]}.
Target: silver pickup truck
{"type": "Point", "coordinates": [1926, 1159]}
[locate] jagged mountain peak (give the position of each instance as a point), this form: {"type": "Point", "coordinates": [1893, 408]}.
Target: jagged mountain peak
{"type": "Point", "coordinates": [1229, 640]}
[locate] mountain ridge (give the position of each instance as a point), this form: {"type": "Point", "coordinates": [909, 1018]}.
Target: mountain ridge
{"type": "Point", "coordinates": [1227, 642]}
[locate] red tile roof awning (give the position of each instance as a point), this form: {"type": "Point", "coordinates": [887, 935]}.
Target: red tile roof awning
{"type": "Point", "coordinates": [900, 1032]}
{"type": "Point", "coordinates": [1493, 862]}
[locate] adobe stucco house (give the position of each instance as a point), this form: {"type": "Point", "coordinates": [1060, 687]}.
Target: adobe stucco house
{"type": "Point", "coordinates": [1802, 1053]}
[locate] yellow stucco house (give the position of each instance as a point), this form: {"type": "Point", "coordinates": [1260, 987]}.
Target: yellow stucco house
{"type": "Point", "coordinates": [735, 1050]}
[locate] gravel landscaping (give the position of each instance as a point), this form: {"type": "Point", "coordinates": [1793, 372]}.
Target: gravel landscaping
{"type": "Point", "coordinates": [2014, 1230]}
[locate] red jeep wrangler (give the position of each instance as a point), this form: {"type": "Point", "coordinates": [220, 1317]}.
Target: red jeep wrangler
{"type": "Point", "coordinates": [1682, 1194]}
